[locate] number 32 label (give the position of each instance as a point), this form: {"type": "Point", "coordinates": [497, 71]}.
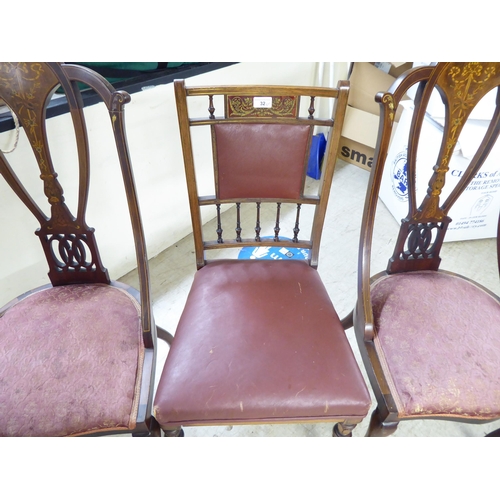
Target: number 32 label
{"type": "Point", "coordinates": [262, 102]}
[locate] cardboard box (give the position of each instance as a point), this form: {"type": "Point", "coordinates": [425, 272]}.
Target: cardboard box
{"type": "Point", "coordinates": [475, 215]}
{"type": "Point", "coordinates": [359, 134]}
{"type": "Point", "coordinates": [359, 137]}
{"type": "Point", "coordinates": [394, 69]}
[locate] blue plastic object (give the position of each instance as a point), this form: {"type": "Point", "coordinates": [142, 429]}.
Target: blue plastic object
{"type": "Point", "coordinates": [316, 154]}
{"type": "Point", "coordinates": [274, 253]}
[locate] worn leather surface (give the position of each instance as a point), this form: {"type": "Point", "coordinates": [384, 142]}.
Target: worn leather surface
{"type": "Point", "coordinates": [259, 341]}
{"type": "Point", "coordinates": [261, 160]}
{"type": "Point", "coordinates": [438, 337]}
{"type": "Point", "coordinates": [70, 357]}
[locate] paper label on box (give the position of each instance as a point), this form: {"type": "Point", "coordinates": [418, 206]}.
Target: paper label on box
{"type": "Point", "coordinates": [474, 215]}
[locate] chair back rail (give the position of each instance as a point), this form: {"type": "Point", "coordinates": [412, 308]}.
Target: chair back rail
{"type": "Point", "coordinates": [279, 138]}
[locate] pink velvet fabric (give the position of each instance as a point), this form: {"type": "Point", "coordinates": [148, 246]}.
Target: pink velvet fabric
{"type": "Point", "coordinates": [438, 337]}
{"type": "Point", "coordinates": [70, 359]}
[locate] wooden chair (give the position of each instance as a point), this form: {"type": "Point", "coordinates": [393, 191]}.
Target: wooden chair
{"type": "Point", "coordinates": [430, 338]}
{"type": "Point", "coordinates": [259, 340]}
{"type": "Point", "coordinates": [77, 356]}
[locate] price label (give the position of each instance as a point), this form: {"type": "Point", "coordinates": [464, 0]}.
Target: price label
{"type": "Point", "coordinates": [262, 102]}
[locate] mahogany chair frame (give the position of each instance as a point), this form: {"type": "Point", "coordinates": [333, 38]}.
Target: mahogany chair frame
{"type": "Point", "coordinates": [27, 89]}
{"type": "Point", "coordinates": [415, 249]}
{"type": "Point", "coordinates": [240, 108]}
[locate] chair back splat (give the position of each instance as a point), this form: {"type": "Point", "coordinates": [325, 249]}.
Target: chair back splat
{"type": "Point", "coordinates": [428, 347]}
{"type": "Point", "coordinates": [86, 343]}
{"type": "Point", "coordinates": [270, 146]}
{"type": "Point", "coordinates": [259, 340]}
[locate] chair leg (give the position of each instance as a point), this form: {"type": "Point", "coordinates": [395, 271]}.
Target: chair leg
{"type": "Point", "coordinates": [348, 321]}
{"type": "Point", "coordinates": [155, 428]}
{"type": "Point", "coordinates": [379, 427]}
{"type": "Point", "coordinates": [148, 430]}
{"type": "Point", "coordinates": [177, 432]}
{"type": "Point", "coordinates": [161, 333]}
{"type": "Point", "coordinates": [343, 429]}
{"type": "Point", "coordinates": [493, 434]}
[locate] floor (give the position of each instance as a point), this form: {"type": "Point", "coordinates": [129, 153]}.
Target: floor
{"type": "Point", "coordinates": [172, 272]}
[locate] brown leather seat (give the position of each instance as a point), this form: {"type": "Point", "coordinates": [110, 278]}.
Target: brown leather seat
{"type": "Point", "coordinates": [259, 341]}
{"type": "Point", "coordinates": [266, 344]}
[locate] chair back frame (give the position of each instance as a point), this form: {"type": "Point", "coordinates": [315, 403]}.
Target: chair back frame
{"type": "Point", "coordinates": [68, 242]}
{"type": "Point", "coordinates": [422, 232]}
{"type": "Point", "coordinates": [240, 110]}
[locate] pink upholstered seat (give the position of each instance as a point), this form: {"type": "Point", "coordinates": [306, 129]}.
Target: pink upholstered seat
{"type": "Point", "coordinates": [268, 346]}
{"type": "Point", "coordinates": [78, 357]}
{"type": "Point", "coordinates": [70, 362]}
{"type": "Point", "coordinates": [439, 344]}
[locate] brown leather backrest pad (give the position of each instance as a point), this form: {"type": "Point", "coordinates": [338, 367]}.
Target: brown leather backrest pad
{"type": "Point", "coordinates": [261, 160]}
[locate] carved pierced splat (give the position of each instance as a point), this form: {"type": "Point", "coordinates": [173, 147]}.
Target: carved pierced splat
{"type": "Point", "coordinates": [70, 251]}
{"type": "Point", "coordinates": [72, 257]}
{"type": "Point", "coordinates": [244, 106]}
{"type": "Point", "coordinates": [419, 240]}
{"type": "Point", "coordinates": [418, 246]}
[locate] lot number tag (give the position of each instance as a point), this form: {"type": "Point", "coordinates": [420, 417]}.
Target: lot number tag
{"type": "Point", "coordinates": [262, 102]}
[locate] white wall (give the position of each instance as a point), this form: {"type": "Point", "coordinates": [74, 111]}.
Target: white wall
{"type": "Point", "coordinates": [158, 167]}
